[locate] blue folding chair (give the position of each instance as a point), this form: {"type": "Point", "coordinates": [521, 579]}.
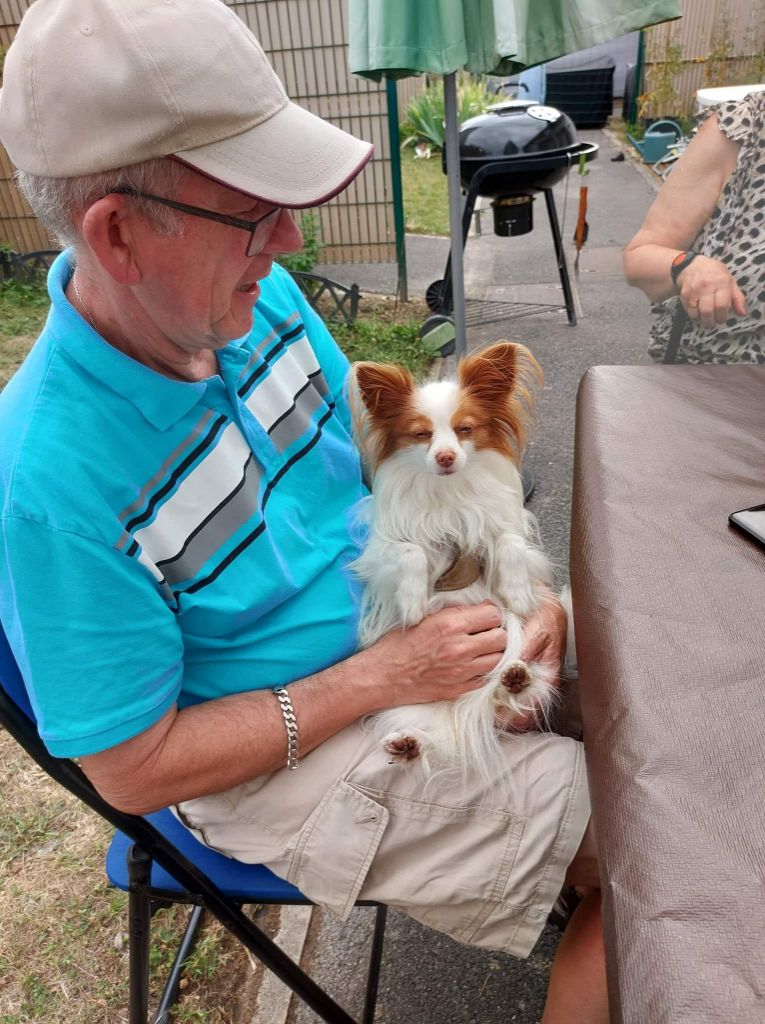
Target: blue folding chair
{"type": "Point", "coordinates": [158, 862]}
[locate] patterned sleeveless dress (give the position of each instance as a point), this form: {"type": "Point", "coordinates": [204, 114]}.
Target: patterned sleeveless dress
{"type": "Point", "coordinates": [735, 235]}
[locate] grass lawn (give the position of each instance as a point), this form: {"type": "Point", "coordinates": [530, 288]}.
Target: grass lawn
{"type": "Point", "coordinates": [426, 200]}
{"type": "Point", "coordinates": [63, 944]}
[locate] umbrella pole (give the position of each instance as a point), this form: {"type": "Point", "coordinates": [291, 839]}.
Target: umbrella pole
{"type": "Point", "coordinates": [455, 210]}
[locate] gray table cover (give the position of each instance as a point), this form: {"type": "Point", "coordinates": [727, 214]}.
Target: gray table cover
{"type": "Point", "coordinates": [669, 605]}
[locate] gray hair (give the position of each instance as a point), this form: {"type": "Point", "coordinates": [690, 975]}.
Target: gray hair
{"type": "Point", "coordinates": [59, 202]}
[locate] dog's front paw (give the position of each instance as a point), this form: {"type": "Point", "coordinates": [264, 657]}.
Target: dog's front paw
{"type": "Point", "coordinates": [412, 602]}
{"type": "Point", "coordinates": [520, 600]}
{"type": "Point", "coordinates": [401, 747]}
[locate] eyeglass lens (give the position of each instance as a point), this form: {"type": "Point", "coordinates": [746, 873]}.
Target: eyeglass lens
{"type": "Point", "coordinates": [262, 233]}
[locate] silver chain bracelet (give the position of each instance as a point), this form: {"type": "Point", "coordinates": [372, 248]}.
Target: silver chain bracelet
{"type": "Point", "coordinates": [290, 722]}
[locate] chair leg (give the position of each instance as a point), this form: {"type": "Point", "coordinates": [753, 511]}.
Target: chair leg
{"type": "Point", "coordinates": [139, 930]}
{"type": "Point", "coordinates": [373, 978]}
{"type": "Point", "coordinates": [185, 949]}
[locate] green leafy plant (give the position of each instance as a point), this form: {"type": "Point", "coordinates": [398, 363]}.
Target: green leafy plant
{"type": "Point", "coordinates": [664, 64]}
{"type": "Point", "coordinates": [717, 66]}
{"type": "Point", "coordinates": [306, 259]}
{"type": "Point", "coordinates": [378, 337]}
{"type": "Point", "coordinates": [754, 45]}
{"type": "Point", "coordinates": [424, 119]}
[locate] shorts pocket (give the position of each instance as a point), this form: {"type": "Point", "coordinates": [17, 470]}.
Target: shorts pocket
{"type": "Point", "coordinates": [336, 847]}
{"type": "Point", "coordinates": [447, 865]}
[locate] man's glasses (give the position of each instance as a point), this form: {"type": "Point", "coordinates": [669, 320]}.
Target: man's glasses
{"type": "Point", "coordinates": [260, 230]}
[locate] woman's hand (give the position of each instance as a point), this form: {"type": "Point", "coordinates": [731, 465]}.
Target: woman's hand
{"type": "Point", "coordinates": [709, 293]}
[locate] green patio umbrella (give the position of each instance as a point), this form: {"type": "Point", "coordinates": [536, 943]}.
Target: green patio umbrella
{"type": "Point", "coordinates": [396, 38]}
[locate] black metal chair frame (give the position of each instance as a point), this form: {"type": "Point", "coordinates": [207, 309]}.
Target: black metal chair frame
{"type": "Point", "coordinates": [525, 165]}
{"type": "Point", "coordinates": [27, 267]}
{"type": "Point", "coordinates": [315, 286]}
{"type": "Point", "coordinates": [202, 895]}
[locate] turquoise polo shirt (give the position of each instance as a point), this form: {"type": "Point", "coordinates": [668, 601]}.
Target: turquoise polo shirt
{"type": "Point", "coordinates": [165, 541]}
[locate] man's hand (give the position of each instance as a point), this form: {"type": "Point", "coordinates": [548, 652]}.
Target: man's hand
{"type": "Point", "coordinates": [447, 654]}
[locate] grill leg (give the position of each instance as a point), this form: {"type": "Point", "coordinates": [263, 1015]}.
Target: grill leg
{"type": "Point", "coordinates": [560, 255]}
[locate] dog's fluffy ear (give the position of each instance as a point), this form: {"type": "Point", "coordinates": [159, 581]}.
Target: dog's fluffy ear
{"type": "Point", "coordinates": [384, 388]}
{"type": "Point", "coordinates": [499, 370]}
{"type": "Point", "coordinates": [503, 379]}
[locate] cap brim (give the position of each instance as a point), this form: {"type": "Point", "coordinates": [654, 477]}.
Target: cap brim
{"type": "Point", "coordinates": [293, 159]}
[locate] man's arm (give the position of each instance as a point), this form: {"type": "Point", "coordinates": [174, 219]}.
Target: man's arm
{"type": "Point", "coordinates": [683, 206]}
{"type": "Point", "coordinates": [221, 743]}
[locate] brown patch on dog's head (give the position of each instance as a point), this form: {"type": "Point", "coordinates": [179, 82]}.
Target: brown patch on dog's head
{"type": "Point", "coordinates": [389, 420]}
{"type": "Point", "coordinates": [497, 386]}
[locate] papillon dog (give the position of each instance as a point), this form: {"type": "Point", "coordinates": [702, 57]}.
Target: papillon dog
{"type": "Point", "coordinates": [447, 526]}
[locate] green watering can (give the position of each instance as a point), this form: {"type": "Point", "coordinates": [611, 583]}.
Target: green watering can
{"type": "Point", "coordinates": [657, 140]}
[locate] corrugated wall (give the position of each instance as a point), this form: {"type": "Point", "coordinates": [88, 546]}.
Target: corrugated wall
{"type": "Point", "coordinates": [19, 228]}
{"type": "Point", "coordinates": [720, 44]}
{"type": "Point", "coordinates": [307, 42]}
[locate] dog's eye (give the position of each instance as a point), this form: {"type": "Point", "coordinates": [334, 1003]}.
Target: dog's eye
{"type": "Point", "coordinates": [464, 431]}
{"type": "Point", "coordinates": [423, 435]}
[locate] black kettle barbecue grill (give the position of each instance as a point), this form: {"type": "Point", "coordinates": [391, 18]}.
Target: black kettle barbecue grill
{"type": "Point", "coordinates": [508, 154]}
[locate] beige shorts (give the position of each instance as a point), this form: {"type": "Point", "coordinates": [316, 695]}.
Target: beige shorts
{"type": "Point", "coordinates": [482, 862]}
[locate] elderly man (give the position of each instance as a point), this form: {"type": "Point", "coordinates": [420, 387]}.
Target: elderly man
{"type": "Point", "coordinates": [178, 476]}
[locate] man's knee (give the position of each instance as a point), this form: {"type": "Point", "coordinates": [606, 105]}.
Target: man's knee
{"type": "Point", "coordinates": [583, 869]}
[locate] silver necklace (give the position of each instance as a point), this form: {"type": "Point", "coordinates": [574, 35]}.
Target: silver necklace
{"type": "Point", "coordinates": [87, 312]}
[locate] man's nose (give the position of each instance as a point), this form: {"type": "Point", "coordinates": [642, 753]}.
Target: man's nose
{"type": "Point", "coordinates": [446, 459]}
{"type": "Point", "coordinates": [287, 236]}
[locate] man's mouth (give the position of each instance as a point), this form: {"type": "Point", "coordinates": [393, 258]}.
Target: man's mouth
{"type": "Point", "coordinates": [249, 289]}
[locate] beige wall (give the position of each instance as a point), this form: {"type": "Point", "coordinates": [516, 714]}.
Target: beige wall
{"type": "Point", "coordinates": [700, 33]}
{"type": "Point", "coordinates": [307, 41]}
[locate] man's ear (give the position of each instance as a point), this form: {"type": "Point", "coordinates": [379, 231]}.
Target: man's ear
{"type": "Point", "coordinates": [108, 230]}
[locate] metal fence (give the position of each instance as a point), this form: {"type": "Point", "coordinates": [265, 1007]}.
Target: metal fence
{"type": "Point", "coordinates": [307, 42]}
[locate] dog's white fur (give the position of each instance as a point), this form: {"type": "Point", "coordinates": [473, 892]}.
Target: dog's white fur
{"type": "Point", "coordinates": [417, 515]}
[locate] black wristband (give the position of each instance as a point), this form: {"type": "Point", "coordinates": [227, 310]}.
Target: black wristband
{"type": "Point", "coordinates": [680, 262]}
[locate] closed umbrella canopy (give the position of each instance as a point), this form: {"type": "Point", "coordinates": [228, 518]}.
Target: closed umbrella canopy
{"type": "Point", "coordinates": [396, 38]}
{"type": "Point", "coordinates": [407, 37]}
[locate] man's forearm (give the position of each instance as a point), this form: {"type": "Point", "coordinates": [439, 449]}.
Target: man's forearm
{"type": "Point", "coordinates": [212, 746]}
{"type": "Point", "coordinates": [221, 743]}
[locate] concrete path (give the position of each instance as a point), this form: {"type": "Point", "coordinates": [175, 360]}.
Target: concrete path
{"type": "Point", "coordinates": [426, 977]}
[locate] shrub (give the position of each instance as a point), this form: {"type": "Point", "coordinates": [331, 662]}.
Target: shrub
{"type": "Point", "coordinates": [307, 258]}
{"type": "Point", "coordinates": [424, 119]}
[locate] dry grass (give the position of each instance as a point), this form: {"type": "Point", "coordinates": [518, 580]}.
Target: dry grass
{"type": "Point", "coordinates": [63, 941]}
{"type": "Point", "coordinates": [12, 351]}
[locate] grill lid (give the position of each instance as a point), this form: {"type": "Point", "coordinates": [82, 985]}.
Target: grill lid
{"type": "Point", "coordinates": [516, 128]}
{"type": "Point", "coordinates": [536, 144]}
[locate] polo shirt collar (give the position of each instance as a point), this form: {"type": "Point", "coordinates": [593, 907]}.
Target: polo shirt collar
{"type": "Point", "coordinates": [161, 400]}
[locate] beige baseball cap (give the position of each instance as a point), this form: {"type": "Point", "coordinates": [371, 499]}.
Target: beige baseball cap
{"type": "Point", "coordinates": [92, 85]}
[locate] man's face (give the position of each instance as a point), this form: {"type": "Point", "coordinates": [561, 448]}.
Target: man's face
{"type": "Point", "coordinates": [199, 289]}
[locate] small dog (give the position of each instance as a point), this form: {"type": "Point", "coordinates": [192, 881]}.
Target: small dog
{"type": "Point", "coordinates": [447, 527]}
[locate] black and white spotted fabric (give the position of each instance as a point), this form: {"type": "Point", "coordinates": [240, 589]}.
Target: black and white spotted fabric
{"type": "Point", "coordinates": [735, 235]}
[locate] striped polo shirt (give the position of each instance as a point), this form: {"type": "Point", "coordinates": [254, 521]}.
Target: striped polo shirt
{"type": "Point", "coordinates": [166, 541]}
